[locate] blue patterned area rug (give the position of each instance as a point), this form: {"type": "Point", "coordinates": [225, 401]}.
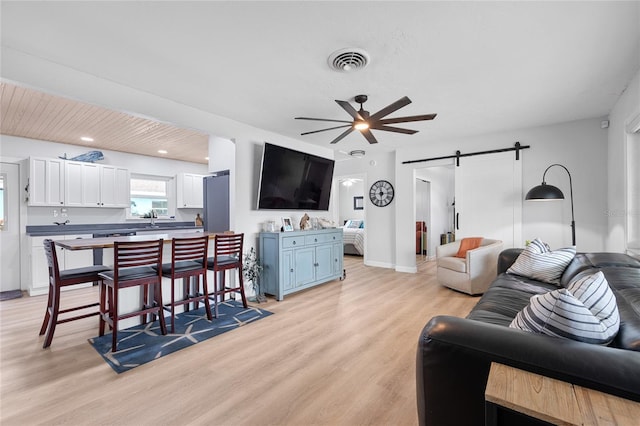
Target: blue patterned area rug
{"type": "Point", "coordinates": [143, 343]}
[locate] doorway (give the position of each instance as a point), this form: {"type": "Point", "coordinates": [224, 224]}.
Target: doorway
{"type": "Point", "coordinates": [351, 214]}
{"type": "Point", "coordinates": [423, 210]}
{"type": "Point", "coordinates": [9, 227]}
{"type": "Point", "coordinates": [439, 206]}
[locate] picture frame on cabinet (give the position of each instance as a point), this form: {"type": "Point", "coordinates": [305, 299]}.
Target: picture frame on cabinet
{"type": "Point", "coordinates": [287, 225]}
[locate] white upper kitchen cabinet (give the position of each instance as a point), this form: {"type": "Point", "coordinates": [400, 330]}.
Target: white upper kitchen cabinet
{"type": "Point", "coordinates": [114, 186]}
{"type": "Point", "coordinates": [46, 182]}
{"type": "Point", "coordinates": [56, 182]}
{"type": "Point", "coordinates": [189, 191]}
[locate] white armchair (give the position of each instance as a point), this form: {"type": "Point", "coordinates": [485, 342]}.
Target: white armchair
{"type": "Point", "coordinates": [472, 274]}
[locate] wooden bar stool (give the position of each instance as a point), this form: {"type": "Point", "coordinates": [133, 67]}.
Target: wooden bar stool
{"type": "Point", "coordinates": [227, 255]}
{"type": "Point", "coordinates": [188, 261]}
{"type": "Point", "coordinates": [59, 279]}
{"type": "Point", "coordinates": [136, 263]}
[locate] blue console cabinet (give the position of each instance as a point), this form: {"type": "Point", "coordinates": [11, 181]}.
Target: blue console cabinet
{"type": "Point", "coordinates": [293, 261]}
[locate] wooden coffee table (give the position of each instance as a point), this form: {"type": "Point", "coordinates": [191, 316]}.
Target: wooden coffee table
{"type": "Point", "coordinates": [530, 398]}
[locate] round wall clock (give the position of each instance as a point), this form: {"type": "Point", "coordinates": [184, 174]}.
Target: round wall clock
{"type": "Point", "coordinates": [381, 193]}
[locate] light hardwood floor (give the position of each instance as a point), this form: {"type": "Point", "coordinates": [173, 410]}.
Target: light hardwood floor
{"type": "Point", "coordinates": [339, 354]}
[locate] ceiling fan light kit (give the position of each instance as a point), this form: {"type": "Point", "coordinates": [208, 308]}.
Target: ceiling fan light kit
{"type": "Point", "coordinates": [364, 122]}
{"type": "Point", "coordinates": [357, 153]}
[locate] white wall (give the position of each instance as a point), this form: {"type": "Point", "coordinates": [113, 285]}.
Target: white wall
{"type": "Point", "coordinates": [380, 245]}
{"type": "Point", "coordinates": [627, 108]}
{"type": "Point", "coordinates": [579, 145]}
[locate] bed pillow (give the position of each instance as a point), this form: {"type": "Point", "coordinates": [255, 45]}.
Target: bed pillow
{"type": "Point", "coordinates": [585, 311]}
{"type": "Point", "coordinates": [354, 224]}
{"type": "Point", "coordinates": [539, 262]}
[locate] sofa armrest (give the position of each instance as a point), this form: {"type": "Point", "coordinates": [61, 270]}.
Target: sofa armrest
{"type": "Point", "coordinates": [454, 356]}
{"type": "Point", "coordinates": [507, 258]}
{"type": "Point", "coordinates": [447, 250]}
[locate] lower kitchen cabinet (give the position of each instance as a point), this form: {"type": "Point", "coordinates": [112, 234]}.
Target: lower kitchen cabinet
{"type": "Point", "coordinates": [293, 261]}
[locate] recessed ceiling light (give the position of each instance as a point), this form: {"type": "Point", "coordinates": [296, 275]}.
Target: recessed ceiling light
{"type": "Point", "coordinates": [86, 139]}
{"type": "Point", "coordinates": [206, 158]}
{"type": "Point", "coordinates": [162, 151]}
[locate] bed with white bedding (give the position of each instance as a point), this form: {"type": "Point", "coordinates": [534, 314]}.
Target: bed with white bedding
{"type": "Point", "coordinates": [353, 236]}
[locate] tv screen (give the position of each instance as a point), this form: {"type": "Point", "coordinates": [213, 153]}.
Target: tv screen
{"type": "Point", "coordinates": [293, 180]}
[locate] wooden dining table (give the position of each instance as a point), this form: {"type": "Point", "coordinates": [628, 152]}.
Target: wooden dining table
{"type": "Point", "coordinates": [109, 242]}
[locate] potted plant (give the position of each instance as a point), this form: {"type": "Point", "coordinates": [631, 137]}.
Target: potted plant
{"type": "Point", "coordinates": [251, 269]}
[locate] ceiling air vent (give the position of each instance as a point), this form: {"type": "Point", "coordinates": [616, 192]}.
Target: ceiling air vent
{"type": "Point", "coordinates": [349, 59]}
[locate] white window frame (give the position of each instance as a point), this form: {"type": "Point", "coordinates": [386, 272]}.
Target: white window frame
{"type": "Point", "coordinates": [171, 197]}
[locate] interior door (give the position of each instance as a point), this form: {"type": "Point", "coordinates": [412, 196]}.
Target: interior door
{"type": "Point", "coordinates": [488, 200]}
{"type": "Point", "coordinates": [9, 227]}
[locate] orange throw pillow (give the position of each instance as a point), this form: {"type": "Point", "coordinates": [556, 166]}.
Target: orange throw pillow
{"type": "Point", "coordinates": [468, 244]}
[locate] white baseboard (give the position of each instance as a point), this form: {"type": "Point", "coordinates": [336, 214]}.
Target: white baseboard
{"type": "Point", "coordinates": [379, 264]}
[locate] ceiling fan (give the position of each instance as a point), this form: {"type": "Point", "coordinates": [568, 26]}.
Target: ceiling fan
{"type": "Point", "coordinates": [365, 122]}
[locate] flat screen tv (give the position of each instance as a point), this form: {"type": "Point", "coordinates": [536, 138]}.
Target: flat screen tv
{"type": "Point", "coordinates": [294, 180]}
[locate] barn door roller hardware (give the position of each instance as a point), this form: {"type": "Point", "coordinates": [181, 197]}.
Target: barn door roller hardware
{"type": "Point", "coordinates": [517, 147]}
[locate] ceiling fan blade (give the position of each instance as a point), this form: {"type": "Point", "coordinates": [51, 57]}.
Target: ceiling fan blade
{"type": "Point", "coordinates": [408, 119]}
{"type": "Point", "coordinates": [368, 135]}
{"type": "Point", "coordinates": [350, 110]}
{"type": "Point", "coordinates": [339, 138]}
{"type": "Point", "coordinates": [393, 129]}
{"type": "Point", "coordinates": [323, 119]}
{"type": "Point", "coordinates": [324, 130]}
{"type": "Point", "coordinates": [391, 108]}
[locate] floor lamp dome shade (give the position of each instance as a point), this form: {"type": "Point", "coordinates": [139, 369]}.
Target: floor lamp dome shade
{"type": "Point", "coordinates": [550, 192]}
{"type": "Point", "coordinates": [544, 192]}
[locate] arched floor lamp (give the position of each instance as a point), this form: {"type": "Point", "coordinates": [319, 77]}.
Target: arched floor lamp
{"type": "Point", "coordinates": [550, 192]}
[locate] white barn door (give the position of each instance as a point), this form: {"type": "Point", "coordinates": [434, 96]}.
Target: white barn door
{"type": "Point", "coordinates": [489, 198]}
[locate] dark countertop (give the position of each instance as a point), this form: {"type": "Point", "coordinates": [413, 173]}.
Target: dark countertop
{"type": "Point", "coordinates": [106, 228]}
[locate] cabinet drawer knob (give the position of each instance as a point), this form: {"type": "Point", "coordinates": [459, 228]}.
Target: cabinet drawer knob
{"type": "Point", "coordinates": [315, 240]}
{"type": "Point", "coordinates": [291, 270]}
{"type": "Point", "coordinates": [294, 243]}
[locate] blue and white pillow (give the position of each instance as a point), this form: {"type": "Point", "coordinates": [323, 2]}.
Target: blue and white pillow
{"type": "Point", "coordinates": [539, 262]}
{"type": "Point", "coordinates": [585, 311]}
{"type": "Point", "coordinates": [355, 224]}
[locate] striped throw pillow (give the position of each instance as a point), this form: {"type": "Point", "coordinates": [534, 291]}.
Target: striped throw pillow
{"type": "Point", "coordinates": [585, 311]}
{"type": "Point", "coordinates": [539, 262]}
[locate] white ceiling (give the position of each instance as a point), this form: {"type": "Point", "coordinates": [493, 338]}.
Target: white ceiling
{"type": "Point", "coordinates": [482, 66]}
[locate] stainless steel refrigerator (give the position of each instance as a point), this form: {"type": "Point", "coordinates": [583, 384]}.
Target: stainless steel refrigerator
{"type": "Point", "coordinates": [216, 202]}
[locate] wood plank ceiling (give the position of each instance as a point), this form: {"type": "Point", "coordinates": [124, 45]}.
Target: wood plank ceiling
{"type": "Point", "coordinates": [32, 114]}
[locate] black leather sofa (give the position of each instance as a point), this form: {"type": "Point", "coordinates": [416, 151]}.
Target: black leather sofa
{"type": "Point", "coordinates": [454, 354]}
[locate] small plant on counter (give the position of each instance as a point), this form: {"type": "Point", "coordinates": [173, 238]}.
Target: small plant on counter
{"type": "Point", "coordinates": [251, 269]}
